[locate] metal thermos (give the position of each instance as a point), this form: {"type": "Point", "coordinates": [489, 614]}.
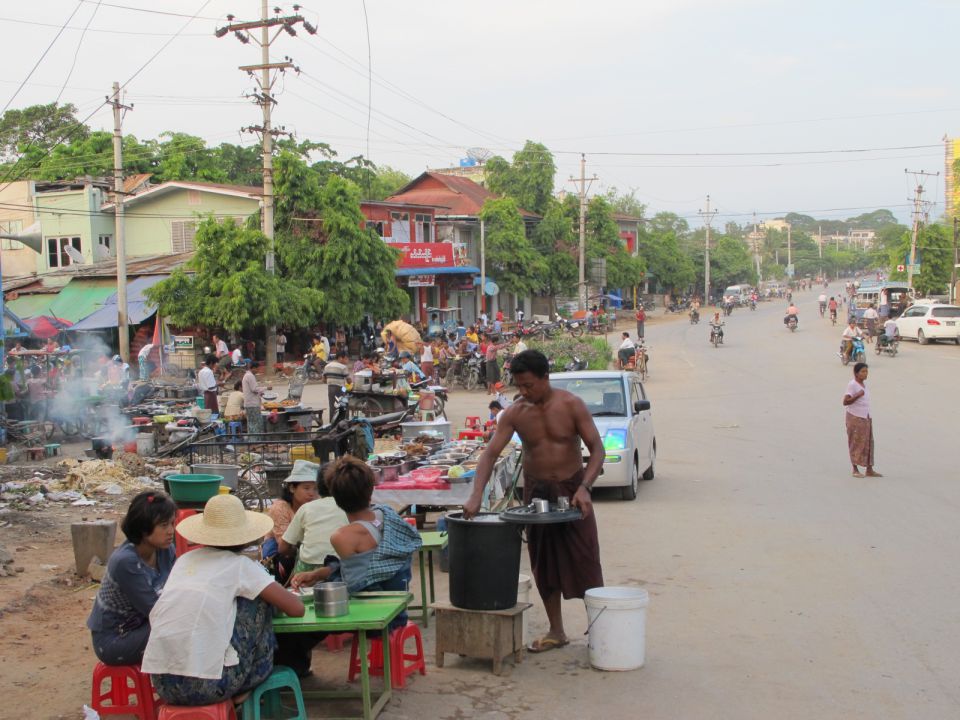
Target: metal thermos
{"type": "Point", "coordinates": [330, 599]}
{"type": "Point", "coordinates": [541, 506]}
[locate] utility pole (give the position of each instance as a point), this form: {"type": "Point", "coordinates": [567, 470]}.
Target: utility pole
{"type": "Point", "coordinates": [789, 245]}
{"type": "Point", "coordinates": [756, 247]}
{"type": "Point", "coordinates": [707, 216]}
{"type": "Point", "coordinates": [264, 98]}
{"type": "Point", "coordinates": [953, 272]}
{"type": "Point", "coordinates": [584, 187]}
{"type": "Point", "coordinates": [123, 328]}
{"type": "Point", "coordinates": [919, 176]}
{"type": "Point", "coordinates": [820, 247]}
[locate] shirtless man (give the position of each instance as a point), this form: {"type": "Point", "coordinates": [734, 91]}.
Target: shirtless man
{"type": "Point", "coordinates": [565, 557]}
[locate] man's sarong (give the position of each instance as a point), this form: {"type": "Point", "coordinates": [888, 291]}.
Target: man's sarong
{"type": "Point", "coordinates": [563, 556]}
{"type": "Point", "coordinates": [860, 440]}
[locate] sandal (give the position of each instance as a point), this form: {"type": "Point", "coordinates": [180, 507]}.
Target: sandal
{"type": "Point", "coordinates": [545, 644]}
{"type": "Point", "coordinates": [873, 473]}
{"type": "Point", "coordinates": [859, 474]}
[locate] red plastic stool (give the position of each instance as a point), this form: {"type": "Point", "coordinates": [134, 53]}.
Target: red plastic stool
{"type": "Point", "coordinates": [220, 711]}
{"type": "Point", "coordinates": [127, 684]}
{"type": "Point", "coordinates": [472, 422]}
{"type": "Point", "coordinates": [181, 544]}
{"type": "Point", "coordinates": [400, 668]}
{"type": "Point", "coordinates": [336, 641]}
{"type": "Point", "coordinates": [470, 435]}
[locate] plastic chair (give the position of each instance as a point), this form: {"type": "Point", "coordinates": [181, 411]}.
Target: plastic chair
{"type": "Point", "coordinates": [221, 711]}
{"type": "Point", "coordinates": [130, 691]}
{"type": "Point", "coordinates": [472, 422]}
{"type": "Point", "coordinates": [399, 667]}
{"type": "Point", "coordinates": [236, 427]}
{"type": "Point", "coordinates": [470, 435]}
{"type": "Point", "coordinates": [336, 641]}
{"type": "Point", "coordinates": [181, 544]}
{"type": "Point", "coordinates": [282, 678]}
{"type": "Point", "coordinates": [52, 449]}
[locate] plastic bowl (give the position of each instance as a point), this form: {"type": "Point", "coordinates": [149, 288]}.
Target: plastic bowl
{"type": "Point", "coordinates": [194, 487]}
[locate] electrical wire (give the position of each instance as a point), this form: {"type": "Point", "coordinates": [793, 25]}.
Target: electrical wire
{"type": "Point", "coordinates": [98, 30]}
{"type": "Point", "coordinates": [76, 53]}
{"type": "Point", "coordinates": [166, 44]}
{"type": "Point", "coordinates": [195, 16]}
{"type": "Point", "coordinates": [40, 60]}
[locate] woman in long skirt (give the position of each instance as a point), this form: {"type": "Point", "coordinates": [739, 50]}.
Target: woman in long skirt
{"type": "Point", "coordinates": [856, 401]}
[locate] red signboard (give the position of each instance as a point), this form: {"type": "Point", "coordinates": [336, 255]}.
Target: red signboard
{"type": "Point", "coordinates": [425, 255]}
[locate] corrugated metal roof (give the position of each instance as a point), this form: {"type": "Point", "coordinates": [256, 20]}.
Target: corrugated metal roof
{"type": "Point", "coordinates": [460, 195]}
{"type": "Point", "coordinates": [250, 191]}
{"type": "Point", "coordinates": [77, 299]}
{"type": "Point", "coordinates": [138, 309]}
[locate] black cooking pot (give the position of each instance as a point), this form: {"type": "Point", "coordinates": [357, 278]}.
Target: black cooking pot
{"type": "Point", "coordinates": [102, 448]}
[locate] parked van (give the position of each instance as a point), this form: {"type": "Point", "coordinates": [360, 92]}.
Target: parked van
{"type": "Point", "coordinates": [739, 293]}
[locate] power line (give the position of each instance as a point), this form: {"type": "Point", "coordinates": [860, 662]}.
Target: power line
{"type": "Point", "coordinates": [76, 53]}
{"type": "Point", "coordinates": [154, 12]}
{"type": "Point", "coordinates": [166, 44]}
{"type": "Point", "coordinates": [40, 60]}
{"type": "Point", "coordinates": [97, 30]}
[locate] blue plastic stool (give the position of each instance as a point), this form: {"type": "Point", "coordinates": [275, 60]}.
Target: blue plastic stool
{"type": "Point", "coordinates": [282, 678]}
{"type": "Point", "coordinates": [236, 428]}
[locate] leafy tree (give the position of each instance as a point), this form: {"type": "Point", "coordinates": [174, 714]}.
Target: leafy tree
{"type": "Point", "coordinates": [40, 127]}
{"type": "Point", "coordinates": [671, 268]}
{"type": "Point", "coordinates": [625, 203]}
{"type": "Point", "coordinates": [513, 260]}
{"type": "Point", "coordinates": [554, 240]}
{"type": "Point", "coordinates": [664, 222]}
{"type": "Point", "coordinates": [934, 254]}
{"type": "Point", "coordinates": [229, 286]}
{"type": "Point", "coordinates": [528, 179]}
{"type": "Point", "coordinates": [321, 239]}
{"type": "Point", "coordinates": [240, 165]}
{"type": "Point", "coordinates": [93, 155]}
{"type": "Point", "coordinates": [730, 263]}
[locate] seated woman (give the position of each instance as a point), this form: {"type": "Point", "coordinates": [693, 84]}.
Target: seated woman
{"type": "Point", "coordinates": [211, 637]}
{"type": "Point", "coordinates": [136, 573]}
{"type": "Point", "coordinates": [233, 408]}
{"type": "Point", "coordinates": [377, 547]}
{"type": "Point", "coordinates": [298, 489]}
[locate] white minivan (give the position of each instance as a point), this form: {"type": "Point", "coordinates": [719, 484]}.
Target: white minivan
{"type": "Point", "coordinates": [739, 293]}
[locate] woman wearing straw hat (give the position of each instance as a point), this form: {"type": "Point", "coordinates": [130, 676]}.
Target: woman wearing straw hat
{"type": "Point", "coordinates": [211, 637]}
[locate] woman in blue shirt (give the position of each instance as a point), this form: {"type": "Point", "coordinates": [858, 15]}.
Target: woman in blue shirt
{"type": "Point", "coordinates": [136, 573]}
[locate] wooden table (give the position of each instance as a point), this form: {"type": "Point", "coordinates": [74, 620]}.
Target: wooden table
{"type": "Point", "coordinates": [369, 612]}
{"type": "Point", "coordinates": [431, 541]}
{"type": "Point", "coordinates": [484, 634]}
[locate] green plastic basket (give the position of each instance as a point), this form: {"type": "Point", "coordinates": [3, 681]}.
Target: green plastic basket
{"type": "Point", "coordinates": [194, 487]}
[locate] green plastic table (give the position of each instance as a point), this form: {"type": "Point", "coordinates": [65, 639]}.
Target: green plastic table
{"type": "Point", "coordinates": [431, 541]}
{"type": "Point", "coordinates": [369, 612]}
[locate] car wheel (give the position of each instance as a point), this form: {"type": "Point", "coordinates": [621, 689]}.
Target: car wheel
{"type": "Point", "coordinates": [957, 339]}
{"type": "Point", "coordinates": [921, 338]}
{"type": "Point", "coordinates": [649, 472]}
{"type": "Point", "coordinates": [629, 492]}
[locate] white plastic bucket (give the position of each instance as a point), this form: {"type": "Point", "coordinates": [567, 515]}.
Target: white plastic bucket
{"type": "Point", "coordinates": [617, 617]}
{"type": "Point", "coordinates": [524, 585]}
{"type": "Point", "coordinates": [145, 444]}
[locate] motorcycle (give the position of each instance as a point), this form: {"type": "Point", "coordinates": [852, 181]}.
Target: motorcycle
{"type": "Point", "coordinates": [678, 306]}
{"type": "Point", "coordinates": [440, 393]}
{"type": "Point", "coordinates": [506, 374]}
{"type": "Point", "coordinates": [791, 322]}
{"type": "Point", "coordinates": [574, 327]}
{"type": "Point", "coordinates": [728, 308]}
{"type": "Point", "coordinates": [753, 304]}
{"type": "Point", "coordinates": [886, 345]}
{"type": "Point", "coordinates": [833, 317]}
{"type": "Point", "coordinates": [857, 354]}
{"type": "Point", "coordinates": [575, 365]}
{"type": "Point", "coordinates": [694, 317]}
{"type": "Point", "coordinates": [310, 370]}
{"type": "Point", "coordinates": [716, 335]}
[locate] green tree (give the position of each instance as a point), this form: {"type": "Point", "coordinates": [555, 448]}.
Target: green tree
{"type": "Point", "coordinates": [226, 285]}
{"type": "Point", "coordinates": [512, 259]}
{"type": "Point", "coordinates": [40, 127]}
{"type": "Point", "coordinates": [730, 263]}
{"type": "Point", "coordinates": [554, 240]}
{"type": "Point", "coordinates": [240, 165]}
{"type": "Point", "coordinates": [321, 239]}
{"type": "Point", "coordinates": [670, 267]}
{"type": "Point", "coordinates": [625, 203]}
{"type": "Point", "coordinates": [92, 155]}
{"type": "Point", "coordinates": [186, 157]}
{"type": "Point", "coordinates": [664, 222]}
{"type": "Point", "coordinates": [528, 179]}
{"type": "Point", "coordinates": [934, 255]}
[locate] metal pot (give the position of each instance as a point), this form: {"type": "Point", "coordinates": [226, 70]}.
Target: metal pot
{"type": "Point", "coordinates": [330, 599]}
{"type": "Point", "coordinates": [389, 473]}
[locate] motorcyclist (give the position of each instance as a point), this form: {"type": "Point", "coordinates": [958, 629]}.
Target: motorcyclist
{"type": "Point", "coordinates": [626, 350]}
{"type": "Point", "coordinates": [317, 357]}
{"type": "Point", "coordinates": [791, 313]}
{"type": "Point", "coordinates": [849, 333]}
{"type": "Point", "coordinates": [890, 333]}
{"type": "Point", "coordinates": [716, 326]}
{"type": "Point", "coordinates": [694, 315]}
{"type": "Point", "coordinates": [753, 300]}
{"type": "Point", "coordinates": [822, 300]}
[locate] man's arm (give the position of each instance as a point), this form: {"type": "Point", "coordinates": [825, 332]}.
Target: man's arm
{"type": "Point", "coordinates": [498, 442]}
{"type": "Point", "coordinates": [587, 430]}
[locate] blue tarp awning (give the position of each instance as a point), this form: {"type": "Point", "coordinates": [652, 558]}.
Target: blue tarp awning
{"type": "Point", "coordinates": [138, 309]}
{"type": "Point", "coordinates": [459, 270]}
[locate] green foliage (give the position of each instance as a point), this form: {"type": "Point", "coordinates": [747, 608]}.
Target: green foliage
{"type": "Point", "coordinates": [528, 180]}
{"type": "Point", "coordinates": [39, 127]}
{"type": "Point", "coordinates": [934, 254]}
{"type": "Point", "coordinates": [186, 157]}
{"type": "Point", "coordinates": [625, 203]}
{"type": "Point", "coordinates": [666, 222]}
{"type": "Point", "coordinates": [595, 350]}
{"type": "Point", "coordinates": [671, 268]}
{"type": "Point", "coordinates": [511, 258]}
{"type": "Point", "coordinates": [730, 263]}
{"type": "Point", "coordinates": [554, 240]}
{"type": "Point", "coordinates": [230, 288]}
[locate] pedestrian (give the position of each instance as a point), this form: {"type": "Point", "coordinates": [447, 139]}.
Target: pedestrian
{"type": "Point", "coordinates": [207, 383]}
{"type": "Point", "coordinates": [641, 318]}
{"type": "Point", "coordinates": [251, 399]}
{"type": "Point", "coordinates": [143, 362]}
{"type": "Point", "coordinates": [426, 361]}
{"type": "Point", "coordinates": [491, 366]}
{"type": "Point", "coordinates": [551, 423]}
{"type": "Point", "coordinates": [222, 352]}
{"type": "Point", "coordinates": [281, 346]}
{"type": "Point", "coordinates": [870, 317]}
{"type": "Point", "coordinates": [859, 422]}
{"type": "Point", "coordinates": [335, 374]}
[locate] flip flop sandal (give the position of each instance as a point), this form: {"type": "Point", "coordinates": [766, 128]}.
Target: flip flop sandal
{"type": "Point", "coordinates": [858, 474]}
{"type": "Point", "coordinates": [546, 644]}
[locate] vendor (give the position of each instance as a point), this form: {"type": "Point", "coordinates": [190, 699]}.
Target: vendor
{"type": "Point", "coordinates": [410, 368]}
{"type": "Point", "coordinates": [233, 407]}
{"type": "Point", "coordinates": [211, 636]}
{"type": "Point", "coordinates": [207, 384]}
{"type": "Point", "coordinates": [136, 573]}
{"type": "Point", "coordinates": [298, 488]}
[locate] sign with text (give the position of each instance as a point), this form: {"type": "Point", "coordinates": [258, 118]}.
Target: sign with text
{"type": "Point", "coordinates": [183, 342]}
{"type": "Point", "coordinates": [422, 281]}
{"type": "Point", "coordinates": [416, 255]}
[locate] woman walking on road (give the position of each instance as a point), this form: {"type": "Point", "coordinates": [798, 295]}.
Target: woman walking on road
{"type": "Point", "coordinates": [856, 400]}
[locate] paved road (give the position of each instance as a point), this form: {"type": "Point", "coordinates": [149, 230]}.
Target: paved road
{"type": "Point", "coordinates": [781, 586]}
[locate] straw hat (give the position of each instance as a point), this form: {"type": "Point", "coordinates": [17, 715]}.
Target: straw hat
{"type": "Point", "coordinates": [225, 523]}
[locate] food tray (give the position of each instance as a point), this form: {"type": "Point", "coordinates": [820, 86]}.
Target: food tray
{"type": "Point", "coordinates": [526, 515]}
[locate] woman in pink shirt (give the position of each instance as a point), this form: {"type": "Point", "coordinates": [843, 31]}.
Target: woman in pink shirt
{"type": "Point", "coordinates": [859, 423]}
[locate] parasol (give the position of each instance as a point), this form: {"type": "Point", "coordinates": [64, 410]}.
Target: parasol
{"type": "Point", "coordinates": [47, 326]}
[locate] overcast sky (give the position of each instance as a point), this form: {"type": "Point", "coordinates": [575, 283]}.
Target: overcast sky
{"type": "Point", "coordinates": [640, 87]}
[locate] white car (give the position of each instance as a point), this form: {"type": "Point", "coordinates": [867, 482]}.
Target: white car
{"type": "Point", "coordinates": [924, 322]}
{"type": "Point", "coordinates": [621, 412]}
